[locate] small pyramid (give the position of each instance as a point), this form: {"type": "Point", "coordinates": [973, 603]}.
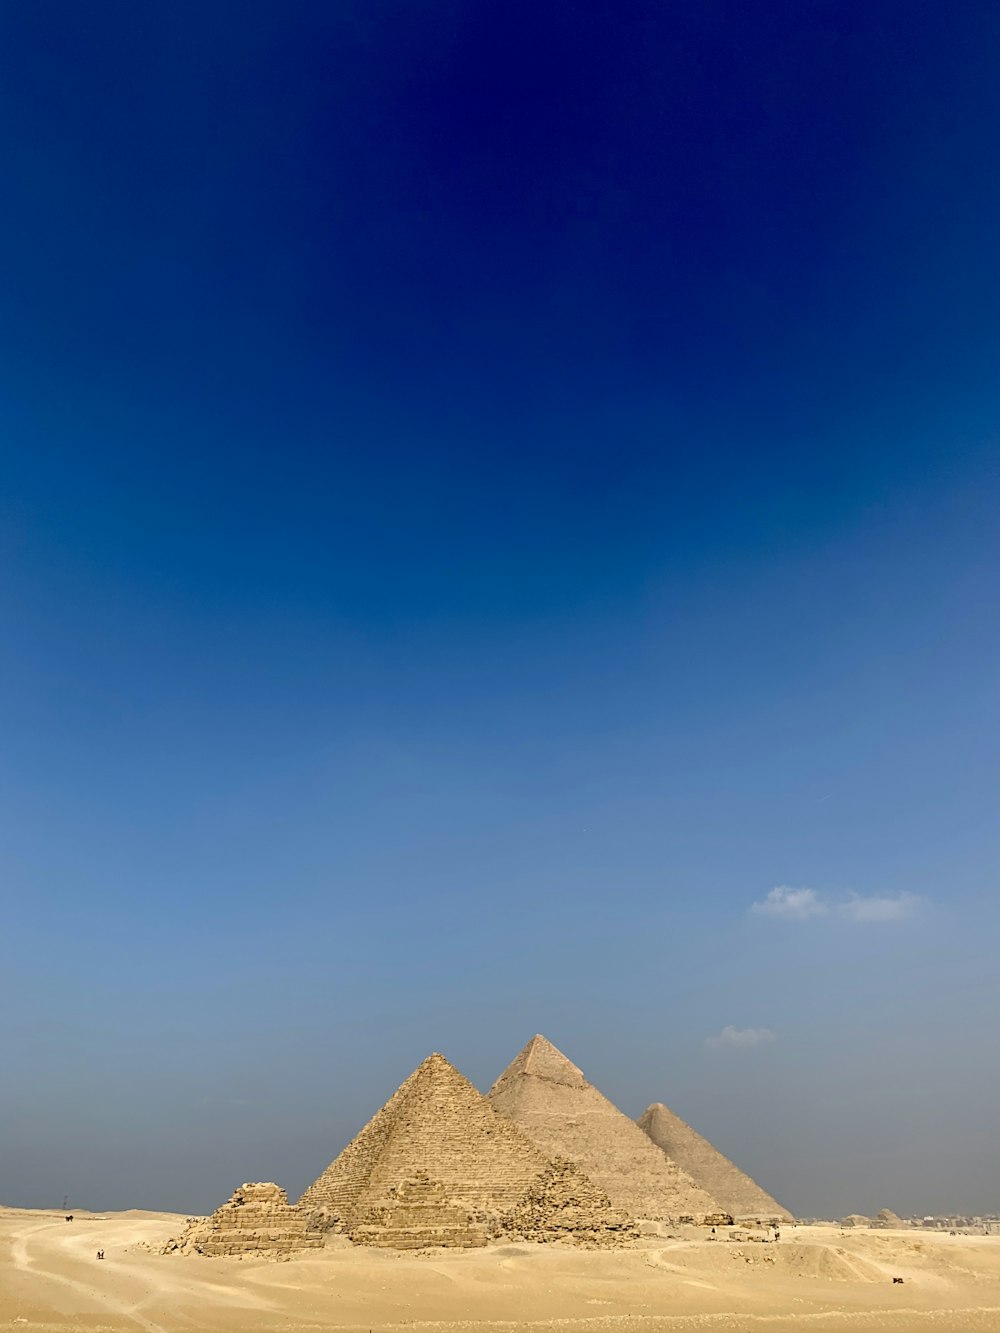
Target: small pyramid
{"type": "Point", "coordinates": [563, 1205]}
{"type": "Point", "coordinates": [550, 1100]}
{"type": "Point", "coordinates": [256, 1222]}
{"type": "Point", "coordinates": [417, 1215]}
{"type": "Point", "coordinates": [735, 1191]}
{"type": "Point", "coordinates": [437, 1159]}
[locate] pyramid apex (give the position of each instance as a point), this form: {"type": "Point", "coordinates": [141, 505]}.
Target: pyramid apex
{"type": "Point", "coordinates": [540, 1059]}
{"type": "Point", "coordinates": [436, 1062]}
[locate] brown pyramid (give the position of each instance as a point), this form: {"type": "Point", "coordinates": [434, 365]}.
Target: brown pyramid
{"type": "Point", "coordinates": [437, 1161]}
{"type": "Point", "coordinates": [735, 1191]}
{"type": "Point", "coordinates": [565, 1116]}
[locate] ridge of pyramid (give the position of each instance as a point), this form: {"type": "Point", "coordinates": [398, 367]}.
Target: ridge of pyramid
{"type": "Point", "coordinates": [736, 1192]}
{"type": "Point", "coordinates": [565, 1116]}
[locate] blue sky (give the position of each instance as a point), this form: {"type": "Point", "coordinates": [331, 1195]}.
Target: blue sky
{"type": "Point", "coordinates": [486, 499]}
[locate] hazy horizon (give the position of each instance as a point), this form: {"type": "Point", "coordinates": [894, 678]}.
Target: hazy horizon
{"type": "Point", "coordinates": [498, 534]}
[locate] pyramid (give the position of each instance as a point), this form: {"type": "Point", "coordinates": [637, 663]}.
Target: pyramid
{"type": "Point", "coordinates": [437, 1161]}
{"type": "Point", "coordinates": [550, 1100]}
{"type": "Point", "coordinates": [436, 1124]}
{"type": "Point", "coordinates": [257, 1221]}
{"type": "Point", "coordinates": [735, 1191]}
{"type": "Point", "coordinates": [562, 1204]}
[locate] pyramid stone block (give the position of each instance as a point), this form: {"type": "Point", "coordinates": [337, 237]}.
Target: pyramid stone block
{"type": "Point", "coordinates": [735, 1191]}
{"type": "Point", "coordinates": [551, 1101]}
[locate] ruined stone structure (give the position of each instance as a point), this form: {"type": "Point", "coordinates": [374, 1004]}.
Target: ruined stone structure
{"type": "Point", "coordinates": [735, 1191]}
{"type": "Point", "coordinates": [563, 1205]}
{"type": "Point", "coordinates": [439, 1165]}
{"type": "Point", "coordinates": [417, 1214]}
{"type": "Point", "coordinates": [550, 1100]}
{"type": "Point", "coordinates": [257, 1221]}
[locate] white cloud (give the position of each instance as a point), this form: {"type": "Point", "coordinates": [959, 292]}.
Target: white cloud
{"type": "Point", "coordinates": [801, 904]}
{"type": "Point", "coordinates": [741, 1038]}
{"type": "Point", "coordinates": [798, 904]}
{"type": "Point", "coordinates": [884, 907]}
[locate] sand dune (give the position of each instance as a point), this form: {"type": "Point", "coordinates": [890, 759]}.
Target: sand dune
{"type": "Point", "coordinates": [816, 1278]}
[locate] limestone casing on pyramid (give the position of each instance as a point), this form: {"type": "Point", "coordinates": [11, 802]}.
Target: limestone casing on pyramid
{"type": "Point", "coordinates": [550, 1099]}
{"type": "Point", "coordinates": [257, 1221]}
{"type": "Point", "coordinates": [735, 1191]}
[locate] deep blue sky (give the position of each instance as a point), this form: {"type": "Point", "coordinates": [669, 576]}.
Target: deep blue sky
{"type": "Point", "coordinates": [487, 494]}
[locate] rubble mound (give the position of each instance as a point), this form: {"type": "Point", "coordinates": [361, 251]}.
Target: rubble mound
{"type": "Point", "coordinates": [562, 1204]}
{"type": "Point", "coordinates": [549, 1099]}
{"type": "Point", "coordinates": [855, 1220]}
{"type": "Point", "coordinates": [887, 1220]}
{"type": "Point", "coordinates": [734, 1190]}
{"type": "Point", "coordinates": [257, 1221]}
{"type": "Point", "coordinates": [417, 1214]}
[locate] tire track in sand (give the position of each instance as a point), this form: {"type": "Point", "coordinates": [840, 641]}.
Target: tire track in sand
{"type": "Point", "coordinates": [25, 1263]}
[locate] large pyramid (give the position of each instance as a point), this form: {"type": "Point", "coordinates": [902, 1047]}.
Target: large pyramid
{"type": "Point", "coordinates": [565, 1116]}
{"type": "Point", "coordinates": [440, 1161]}
{"type": "Point", "coordinates": [734, 1190]}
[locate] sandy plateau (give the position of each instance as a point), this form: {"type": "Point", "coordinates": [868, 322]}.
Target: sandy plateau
{"type": "Point", "coordinates": [817, 1278]}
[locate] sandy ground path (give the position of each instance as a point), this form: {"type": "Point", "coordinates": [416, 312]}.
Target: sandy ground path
{"type": "Point", "coordinates": [820, 1280]}
{"type": "Point", "coordinates": [55, 1265]}
{"type": "Point", "coordinates": [90, 1290]}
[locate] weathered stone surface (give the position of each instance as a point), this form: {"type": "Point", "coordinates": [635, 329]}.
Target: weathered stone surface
{"type": "Point", "coordinates": [735, 1192]}
{"type": "Point", "coordinates": [549, 1098]}
{"type": "Point", "coordinates": [417, 1214]}
{"type": "Point", "coordinates": [257, 1221]}
{"type": "Point", "coordinates": [564, 1205]}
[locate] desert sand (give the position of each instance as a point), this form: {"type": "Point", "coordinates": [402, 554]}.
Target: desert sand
{"type": "Point", "coordinates": [817, 1278]}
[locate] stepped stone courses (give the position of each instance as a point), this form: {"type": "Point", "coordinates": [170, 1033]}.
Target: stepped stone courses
{"type": "Point", "coordinates": [735, 1192]}
{"type": "Point", "coordinates": [417, 1214]}
{"type": "Point", "coordinates": [550, 1100]}
{"type": "Point", "coordinates": [257, 1221]}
